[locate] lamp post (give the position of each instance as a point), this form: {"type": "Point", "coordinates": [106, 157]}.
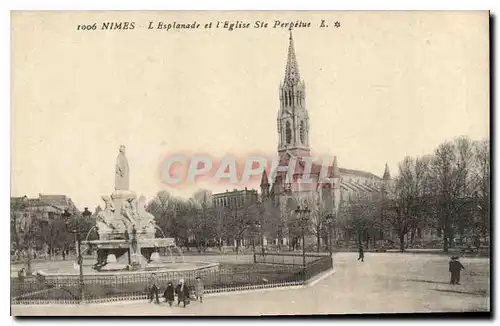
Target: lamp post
{"type": "Point", "coordinates": [228, 206]}
{"type": "Point", "coordinates": [77, 230]}
{"type": "Point", "coordinates": [260, 226]}
{"type": "Point", "coordinates": [303, 218]}
{"type": "Point", "coordinates": [329, 222]}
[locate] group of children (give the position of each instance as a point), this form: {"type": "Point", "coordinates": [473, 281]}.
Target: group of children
{"type": "Point", "coordinates": [182, 290]}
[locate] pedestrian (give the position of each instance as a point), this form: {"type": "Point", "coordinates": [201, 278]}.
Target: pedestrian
{"type": "Point", "coordinates": [169, 293]}
{"type": "Point", "coordinates": [64, 255]}
{"type": "Point", "coordinates": [455, 268]}
{"type": "Point", "coordinates": [199, 289]}
{"type": "Point", "coordinates": [182, 291]}
{"type": "Point", "coordinates": [153, 288]}
{"type": "Point", "coordinates": [361, 253]}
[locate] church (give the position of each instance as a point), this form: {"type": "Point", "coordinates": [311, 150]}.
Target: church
{"type": "Point", "coordinates": [328, 189]}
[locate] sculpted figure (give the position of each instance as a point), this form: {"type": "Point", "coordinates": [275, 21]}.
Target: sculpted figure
{"type": "Point", "coordinates": [122, 171]}
{"type": "Point", "coordinates": [129, 210]}
{"type": "Point", "coordinates": [146, 217]}
{"type": "Point", "coordinates": [105, 216]}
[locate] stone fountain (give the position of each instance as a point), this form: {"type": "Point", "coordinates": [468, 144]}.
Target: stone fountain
{"type": "Point", "coordinates": [126, 230]}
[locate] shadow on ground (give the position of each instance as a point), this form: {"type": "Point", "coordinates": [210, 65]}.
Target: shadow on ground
{"type": "Point", "coordinates": [478, 293]}
{"type": "Point", "coordinates": [429, 281]}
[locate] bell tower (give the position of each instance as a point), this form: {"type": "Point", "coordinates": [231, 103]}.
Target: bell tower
{"type": "Point", "coordinates": [293, 120]}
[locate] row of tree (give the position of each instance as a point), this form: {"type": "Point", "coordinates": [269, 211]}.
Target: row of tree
{"type": "Point", "coordinates": [196, 222]}
{"type": "Point", "coordinates": [447, 191]}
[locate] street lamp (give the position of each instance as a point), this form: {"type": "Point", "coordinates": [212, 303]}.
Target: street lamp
{"type": "Point", "coordinates": [303, 218]}
{"type": "Point", "coordinates": [228, 207]}
{"type": "Point", "coordinates": [329, 222]}
{"type": "Point", "coordinates": [77, 230]}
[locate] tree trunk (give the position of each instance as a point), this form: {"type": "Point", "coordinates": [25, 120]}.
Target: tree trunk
{"type": "Point", "coordinates": [318, 238]}
{"type": "Point", "coordinates": [446, 238]}
{"type": "Point", "coordinates": [401, 241]}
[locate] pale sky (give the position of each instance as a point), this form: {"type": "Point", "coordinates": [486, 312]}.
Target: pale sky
{"type": "Point", "coordinates": [382, 86]}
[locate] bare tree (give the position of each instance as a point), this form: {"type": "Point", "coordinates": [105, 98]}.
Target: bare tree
{"type": "Point", "coordinates": [481, 187]}
{"type": "Point", "coordinates": [356, 217]}
{"type": "Point", "coordinates": [452, 180]}
{"type": "Point", "coordinates": [317, 219]}
{"type": "Point", "coordinates": [407, 198]}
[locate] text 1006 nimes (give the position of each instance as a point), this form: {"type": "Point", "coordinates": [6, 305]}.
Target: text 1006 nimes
{"type": "Point", "coordinates": [174, 25]}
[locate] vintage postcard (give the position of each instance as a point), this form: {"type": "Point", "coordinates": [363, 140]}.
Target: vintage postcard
{"type": "Point", "coordinates": [250, 163]}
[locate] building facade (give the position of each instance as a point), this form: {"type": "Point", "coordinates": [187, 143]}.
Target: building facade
{"type": "Point", "coordinates": [327, 186]}
{"type": "Point", "coordinates": [235, 198]}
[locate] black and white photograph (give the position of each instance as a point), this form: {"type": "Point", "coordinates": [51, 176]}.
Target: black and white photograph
{"type": "Point", "coordinates": [250, 163]}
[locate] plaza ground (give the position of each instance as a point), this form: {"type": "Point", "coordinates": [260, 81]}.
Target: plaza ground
{"type": "Point", "coordinates": [384, 283]}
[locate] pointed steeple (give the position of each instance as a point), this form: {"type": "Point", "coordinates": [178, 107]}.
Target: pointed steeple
{"type": "Point", "coordinates": [292, 75]}
{"type": "Point", "coordinates": [387, 174]}
{"type": "Point", "coordinates": [334, 170]}
{"type": "Point", "coordinates": [264, 180]}
{"type": "Point", "coordinates": [264, 186]}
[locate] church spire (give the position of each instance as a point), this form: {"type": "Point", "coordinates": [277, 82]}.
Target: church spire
{"type": "Point", "coordinates": [264, 186]}
{"type": "Point", "coordinates": [387, 174]}
{"type": "Point", "coordinates": [292, 76]}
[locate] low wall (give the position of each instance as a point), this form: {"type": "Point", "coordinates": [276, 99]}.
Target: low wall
{"type": "Point", "coordinates": [132, 285]}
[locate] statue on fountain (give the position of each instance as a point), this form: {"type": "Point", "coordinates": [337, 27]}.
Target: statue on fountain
{"type": "Point", "coordinates": [121, 171]}
{"type": "Point", "coordinates": [125, 225]}
{"type": "Point", "coordinates": [122, 208]}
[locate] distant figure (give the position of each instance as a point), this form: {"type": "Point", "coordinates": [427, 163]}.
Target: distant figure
{"type": "Point", "coordinates": [182, 291]}
{"type": "Point", "coordinates": [64, 255]}
{"type": "Point", "coordinates": [455, 268]}
{"type": "Point", "coordinates": [361, 253]}
{"type": "Point", "coordinates": [153, 289]}
{"type": "Point", "coordinates": [199, 289]}
{"type": "Point", "coordinates": [169, 293]}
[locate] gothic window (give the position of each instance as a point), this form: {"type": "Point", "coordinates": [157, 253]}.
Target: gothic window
{"type": "Point", "coordinates": [290, 98]}
{"type": "Point", "coordinates": [288, 131]}
{"type": "Point", "coordinates": [302, 132]}
{"type": "Point", "coordinates": [286, 98]}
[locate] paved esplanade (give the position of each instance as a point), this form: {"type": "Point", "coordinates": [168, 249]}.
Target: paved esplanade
{"type": "Point", "coordinates": [388, 282]}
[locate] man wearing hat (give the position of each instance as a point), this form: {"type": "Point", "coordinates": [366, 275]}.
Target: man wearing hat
{"type": "Point", "coordinates": [455, 268]}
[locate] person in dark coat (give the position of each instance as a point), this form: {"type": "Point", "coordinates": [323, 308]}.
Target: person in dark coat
{"type": "Point", "coordinates": [361, 253]}
{"type": "Point", "coordinates": [153, 288]}
{"type": "Point", "coordinates": [455, 268]}
{"type": "Point", "coordinates": [169, 293]}
{"type": "Point", "coordinates": [182, 291]}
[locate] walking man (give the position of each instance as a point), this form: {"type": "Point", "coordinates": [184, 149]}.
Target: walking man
{"type": "Point", "coordinates": [455, 269]}
{"type": "Point", "coordinates": [153, 288]}
{"type": "Point", "coordinates": [361, 253]}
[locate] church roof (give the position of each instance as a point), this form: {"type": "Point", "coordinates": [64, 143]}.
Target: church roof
{"type": "Point", "coordinates": [316, 169]}
{"type": "Point", "coordinates": [57, 200]}
{"type": "Point", "coordinates": [358, 173]}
